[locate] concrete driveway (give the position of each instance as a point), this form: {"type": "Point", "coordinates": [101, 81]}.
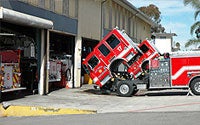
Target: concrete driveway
{"type": "Point", "coordinates": [88, 100]}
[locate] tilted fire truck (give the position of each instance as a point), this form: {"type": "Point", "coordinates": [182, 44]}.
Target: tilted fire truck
{"type": "Point", "coordinates": [118, 64]}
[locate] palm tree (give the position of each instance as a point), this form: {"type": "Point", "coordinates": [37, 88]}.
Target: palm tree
{"type": "Point", "coordinates": [195, 28]}
{"type": "Point", "coordinates": [193, 3]}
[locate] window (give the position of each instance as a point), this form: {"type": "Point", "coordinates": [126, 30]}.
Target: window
{"type": "Point", "coordinates": [104, 50]}
{"type": "Point", "coordinates": [144, 48]}
{"type": "Point", "coordinates": [93, 62]}
{"type": "Point", "coordinates": [113, 41]}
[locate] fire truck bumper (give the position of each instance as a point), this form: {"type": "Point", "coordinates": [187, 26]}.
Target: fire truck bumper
{"type": "Point", "coordinates": [13, 89]}
{"type": "Point", "coordinates": [102, 82]}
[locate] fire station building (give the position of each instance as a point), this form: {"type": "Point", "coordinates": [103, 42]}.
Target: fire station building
{"type": "Point", "coordinates": [44, 31]}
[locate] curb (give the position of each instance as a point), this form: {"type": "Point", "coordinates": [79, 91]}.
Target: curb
{"type": "Point", "coordinates": [39, 111]}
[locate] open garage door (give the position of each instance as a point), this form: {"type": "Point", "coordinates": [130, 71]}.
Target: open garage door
{"type": "Point", "coordinates": [62, 47]}
{"type": "Point", "coordinates": [87, 47]}
{"type": "Point", "coordinates": [36, 32]}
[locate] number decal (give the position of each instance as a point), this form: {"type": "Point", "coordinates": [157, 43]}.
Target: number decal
{"type": "Point", "coordinates": [119, 48]}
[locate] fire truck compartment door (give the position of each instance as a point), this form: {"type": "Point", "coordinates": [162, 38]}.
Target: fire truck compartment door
{"type": "Point", "coordinates": [181, 65]}
{"type": "Point", "coordinates": [159, 74]}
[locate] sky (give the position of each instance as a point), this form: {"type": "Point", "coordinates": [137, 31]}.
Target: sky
{"type": "Point", "coordinates": [175, 17]}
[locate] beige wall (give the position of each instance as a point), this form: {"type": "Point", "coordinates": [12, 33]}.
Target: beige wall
{"type": "Point", "coordinates": [142, 30]}
{"type": "Point", "coordinates": [68, 8]}
{"type": "Point", "coordinates": [114, 14]}
{"type": "Point", "coordinates": [118, 14]}
{"type": "Point", "coordinates": [89, 19]}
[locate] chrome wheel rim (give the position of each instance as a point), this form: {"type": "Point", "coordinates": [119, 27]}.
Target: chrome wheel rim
{"type": "Point", "coordinates": [124, 89]}
{"type": "Point", "coordinates": [197, 86]}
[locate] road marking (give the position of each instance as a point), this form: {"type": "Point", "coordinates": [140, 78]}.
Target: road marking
{"type": "Point", "coordinates": [39, 111]}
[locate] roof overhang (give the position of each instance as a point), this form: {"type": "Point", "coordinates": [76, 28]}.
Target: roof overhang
{"type": "Point", "coordinates": [12, 16]}
{"type": "Point", "coordinates": [164, 34]}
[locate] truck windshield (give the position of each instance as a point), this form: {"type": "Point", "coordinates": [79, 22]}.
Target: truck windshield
{"type": "Point", "coordinates": [93, 62]}
{"type": "Point", "coordinates": [112, 41]}
{"type": "Point", "coordinates": [104, 50]}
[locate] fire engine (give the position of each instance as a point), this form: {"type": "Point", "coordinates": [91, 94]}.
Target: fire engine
{"type": "Point", "coordinates": [10, 74]}
{"type": "Point", "coordinates": [118, 64]}
{"type": "Point", "coordinates": [17, 63]}
{"type": "Point", "coordinates": [60, 73]}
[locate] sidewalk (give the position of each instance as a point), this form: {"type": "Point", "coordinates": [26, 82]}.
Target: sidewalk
{"type": "Point", "coordinates": [86, 100]}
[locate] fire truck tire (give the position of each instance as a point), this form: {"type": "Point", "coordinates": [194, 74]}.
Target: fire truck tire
{"type": "Point", "coordinates": [195, 86]}
{"type": "Point", "coordinates": [125, 89]}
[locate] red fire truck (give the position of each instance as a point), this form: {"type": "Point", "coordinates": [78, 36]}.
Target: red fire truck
{"type": "Point", "coordinates": [18, 65]}
{"type": "Point", "coordinates": [118, 64]}
{"type": "Point", "coordinates": [60, 73]}
{"type": "Point", "coordinates": [10, 74]}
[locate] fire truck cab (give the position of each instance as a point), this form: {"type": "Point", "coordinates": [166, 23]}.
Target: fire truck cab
{"type": "Point", "coordinates": [118, 64]}
{"type": "Point", "coordinates": [110, 49]}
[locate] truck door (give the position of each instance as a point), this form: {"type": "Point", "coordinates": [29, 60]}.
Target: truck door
{"type": "Point", "coordinates": [110, 49]}
{"type": "Point", "coordinates": [182, 69]}
{"type": "Point", "coordinates": [105, 54]}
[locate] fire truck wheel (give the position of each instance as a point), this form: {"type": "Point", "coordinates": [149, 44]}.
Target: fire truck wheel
{"type": "Point", "coordinates": [125, 89]}
{"type": "Point", "coordinates": [195, 86]}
